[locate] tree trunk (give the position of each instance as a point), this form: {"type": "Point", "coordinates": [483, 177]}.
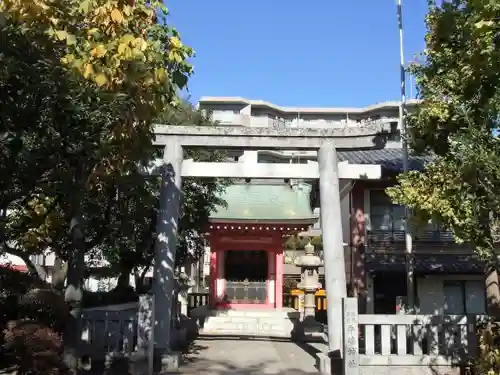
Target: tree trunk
{"type": "Point", "coordinates": [124, 277]}
{"type": "Point", "coordinates": [139, 283]}
{"type": "Point", "coordinates": [492, 292]}
{"type": "Point", "coordinates": [73, 294]}
{"type": "Point", "coordinates": [492, 287]}
{"type": "Point", "coordinates": [59, 274]}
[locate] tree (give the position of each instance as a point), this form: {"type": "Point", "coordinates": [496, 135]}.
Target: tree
{"type": "Point", "coordinates": [459, 84]}
{"type": "Point", "coordinates": [106, 69]}
{"type": "Point", "coordinates": [133, 205]}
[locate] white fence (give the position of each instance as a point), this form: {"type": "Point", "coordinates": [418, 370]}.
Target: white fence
{"type": "Point", "coordinates": [416, 344]}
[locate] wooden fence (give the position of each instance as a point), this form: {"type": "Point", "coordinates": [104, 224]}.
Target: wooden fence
{"type": "Point", "coordinates": [109, 329]}
{"type": "Point", "coordinates": [120, 330]}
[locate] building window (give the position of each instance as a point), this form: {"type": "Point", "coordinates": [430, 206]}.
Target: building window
{"type": "Point", "coordinates": [384, 215]}
{"type": "Point", "coordinates": [464, 297]}
{"type": "Point", "coordinates": [395, 134]}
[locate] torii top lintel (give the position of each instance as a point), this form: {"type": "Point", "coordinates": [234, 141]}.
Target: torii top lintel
{"type": "Point", "coordinates": [368, 135]}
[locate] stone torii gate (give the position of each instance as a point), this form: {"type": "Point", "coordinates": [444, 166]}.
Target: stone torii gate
{"type": "Point", "coordinates": [326, 141]}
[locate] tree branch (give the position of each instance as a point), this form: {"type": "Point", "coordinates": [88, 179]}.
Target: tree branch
{"type": "Point", "coordinates": [33, 269]}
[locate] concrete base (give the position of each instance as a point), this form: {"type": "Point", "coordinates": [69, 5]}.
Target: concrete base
{"type": "Point", "coordinates": [166, 363]}
{"type": "Point", "coordinates": [137, 363]}
{"type": "Point", "coordinates": [327, 365]}
{"type": "Point", "coordinates": [279, 323]}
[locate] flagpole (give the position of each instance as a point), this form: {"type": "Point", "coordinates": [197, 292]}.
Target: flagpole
{"type": "Point", "coordinates": [410, 287]}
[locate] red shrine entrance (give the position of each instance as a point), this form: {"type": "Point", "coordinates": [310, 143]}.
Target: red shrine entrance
{"type": "Point", "coordinates": [246, 264]}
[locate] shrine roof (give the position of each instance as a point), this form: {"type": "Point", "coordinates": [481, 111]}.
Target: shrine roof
{"type": "Point", "coordinates": [391, 159]}
{"type": "Point", "coordinates": [266, 202]}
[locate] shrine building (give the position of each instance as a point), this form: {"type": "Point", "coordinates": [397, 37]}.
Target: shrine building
{"type": "Point", "coordinates": [247, 239]}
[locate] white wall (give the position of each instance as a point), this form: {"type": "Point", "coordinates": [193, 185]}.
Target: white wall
{"type": "Point", "coordinates": [9, 259]}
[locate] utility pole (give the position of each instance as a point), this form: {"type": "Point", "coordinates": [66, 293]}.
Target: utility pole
{"type": "Point", "coordinates": [410, 287]}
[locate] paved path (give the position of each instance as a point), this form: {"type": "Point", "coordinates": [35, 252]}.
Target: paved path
{"type": "Point", "coordinates": [247, 357]}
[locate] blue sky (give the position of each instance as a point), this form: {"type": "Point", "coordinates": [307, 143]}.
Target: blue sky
{"type": "Point", "coordinates": [298, 53]}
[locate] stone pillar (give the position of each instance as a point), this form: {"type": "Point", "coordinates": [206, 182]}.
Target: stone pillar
{"type": "Point", "coordinates": [165, 248]}
{"type": "Point", "coordinates": [333, 248]}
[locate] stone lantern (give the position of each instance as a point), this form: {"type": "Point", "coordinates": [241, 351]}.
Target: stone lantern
{"type": "Point", "coordinates": [309, 265]}
{"type": "Point", "coordinates": [184, 284]}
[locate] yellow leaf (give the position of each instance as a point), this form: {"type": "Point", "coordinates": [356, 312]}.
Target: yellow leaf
{"type": "Point", "coordinates": [88, 70]}
{"type": "Point", "coordinates": [127, 38]}
{"type": "Point", "coordinates": [61, 34]}
{"type": "Point", "coordinates": [85, 6]}
{"type": "Point", "coordinates": [68, 59]}
{"type": "Point", "coordinates": [93, 32]}
{"type": "Point", "coordinates": [115, 62]}
{"type": "Point", "coordinates": [141, 44]}
{"type": "Point", "coordinates": [175, 42]}
{"type": "Point", "coordinates": [116, 16]}
{"type": "Point", "coordinates": [100, 79]}
{"type": "Point", "coordinates": [122, 47]}
{"type": "Point", "coordinates": [99, 51]}
{"type": "Point", "coordinates": [137, 54]}
{"type": "Point", "coordinates": [127, 9]}
{"type": "Point", "coordinates": [77, 63]}
{"type": "Point", "coordinates": [161, 74]}
{"type": "Point", "coordinates": [484, 24]}
{"type": "Point", "coordinates": [70, 39]}
{"type": "Point", "coordinates": [175, 56]}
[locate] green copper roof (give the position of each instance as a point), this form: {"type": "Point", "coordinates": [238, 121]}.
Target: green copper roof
{"type": "Point", "coordinates": [266, 202]}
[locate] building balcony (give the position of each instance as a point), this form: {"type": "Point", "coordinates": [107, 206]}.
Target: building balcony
{"type": "Point", "coordinates": [231, 119]}
{"type": "Point", "coordinates": [431, 242]}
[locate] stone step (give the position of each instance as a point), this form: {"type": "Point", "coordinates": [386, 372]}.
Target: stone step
{"type": "Point", "coordinates": [247, 326]}
{"type": "Point", "coordinates": [204, 311]}
{"type": "Point", "coordinates": [258, 323]}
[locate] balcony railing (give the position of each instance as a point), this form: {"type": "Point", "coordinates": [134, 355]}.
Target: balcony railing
{"type": "Point", "coordinates": [239, 119]}
{"type": "Point", "coordinates": [423, 241]}
{"type": "Point", "coordinates": [231, 119]}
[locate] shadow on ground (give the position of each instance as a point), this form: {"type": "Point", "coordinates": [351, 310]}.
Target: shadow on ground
{"type": "Point", "coordinates": [225, 355]}
{"type": "Point", "coordinates": [221, 356]}
{"type": "Point", "coordinates": [211, 367]}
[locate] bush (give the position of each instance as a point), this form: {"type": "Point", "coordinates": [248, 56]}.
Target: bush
{"type": "Point", "coordinates": [46, 306]}
{"type": "Point", "coordinates": [14, 284]}
{"type": "Point", "coordinates": [113, 297]}
{"type": "Point", "coordinates": [34, 348]}
{"type": "Point", "coordinates": [31, 316]}
{"type": "Point", "coordinates": [487, 361]}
